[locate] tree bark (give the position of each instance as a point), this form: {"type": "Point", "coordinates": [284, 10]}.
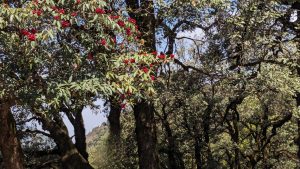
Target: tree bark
{"type": "Point", "coordinates": [144, 111]}
{"type": "Point", "coordinates": [146, 135]}
{"type": "Point", "coordinates": [198, 147]}
{"type": "Point", "coordinates": [71, 157]}
{"type": "Point", "coordinates": [76, 119]}
{"type": "Point", "coordinates": [174, 155]}
{"type": "Point", "coordinates": [114, 123]}
{"type": "Point", "coordinates": [79, 131]}
{"type": "Point", "coordinates": [9, 143]}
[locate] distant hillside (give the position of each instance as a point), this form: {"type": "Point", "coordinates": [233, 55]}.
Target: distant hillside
{"type": "Point", "coordinates": [96, 134]}
{"type": "Point", "coordinates": [97, 146]}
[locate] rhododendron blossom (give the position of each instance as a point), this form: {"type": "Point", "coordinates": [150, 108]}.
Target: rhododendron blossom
{"type": "Point", "coordinates": [152, 77]}
{"type": "Point", "coordinates": [31, 37]}
{"type": "Point", "coordinates": [61, 11]}
{"type": "Point", "coordinates": [114, 17]}
{"type": "Point", "coordinates": [56, 17]}
{"type": "Point", "coordinates": [103, 42]}
{"type": "Point", "coordinates": [100, 11]}
{"type": "Point", "coordinates": [132, 60]}
{"type": "Point", "coordinates": [128, 31]}
{"type": "Point", "coordinates": [132, 20]}
{"type": "Point", "coordinates": [145, 69]}
{"type": "Point", "coordinates": [65, 23]}
{"type": "Point", "coordinates": [161, 56]}
{"type": "Point", "coordinates": [24, 32]}
{"type": "Point", "coordinates": [126, 61]}
{"type": "Point", "coordinates": [74, 14]}
{"type": "Point", "coordinates": [38, 12]}
{"type": "Point", "coordinates": [121, 23]}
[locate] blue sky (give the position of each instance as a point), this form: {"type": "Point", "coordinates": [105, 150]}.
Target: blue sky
{"type": "Point", "coordinates": [91, 118]}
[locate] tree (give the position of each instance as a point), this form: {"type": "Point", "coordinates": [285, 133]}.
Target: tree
{"type": "Point", "coordinates": [53, 53]}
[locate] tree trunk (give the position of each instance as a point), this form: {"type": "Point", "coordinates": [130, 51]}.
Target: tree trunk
{"type": "Point", "coordinates": [9, 143]}
{"type": "Point", "coordinates": [144, 111]}
{"type": "Point", "coordinates": [76, 119]}
{"type": "Point", "coordinates": [79, 131]}
{"type": "Point", "coordinates": [114, 123]}
{"type": "Point", "coordinates": [236, 142]}
{"type": "Point", "coordinates": [174, 155]}
{"type": "Point", "coordinates": [146, 135]}
{"type": "Point", "coordinates": [198, 147]}
{"type": "Point", "coordinates": [71, 157]}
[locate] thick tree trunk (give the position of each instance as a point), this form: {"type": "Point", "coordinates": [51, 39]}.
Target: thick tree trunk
{"type": "Point", "coordinates": [79, 131]}
{"type": "Point", "coordinates": [144, 111]}
{"type": "Point", "coordinates": [9, 143]}
{"type": "Point", "coordinates": [114, 123]}
{"type": "Point", "coordinates": [76, 119]}
{"type": "Point", "coordinates": [146, 135]}
{"type": "Point", "coordinates": [71, 157]}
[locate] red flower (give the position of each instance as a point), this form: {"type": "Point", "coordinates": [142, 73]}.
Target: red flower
{"type": "Point", "coordinates": [24, 32]}
{"type": "Point", "coordinates": [31, 37]}
{"type": "Point", "coordinates": [54, 8]}
{"type": "Point", "coordinates": [123, 105]}
{"type": "Point", "coordinates": [56, 17]}
{"type": "Point", "coordinates": [38, 12]}
{"type": "Point", "coordinates": [121, 23]}
{"type": "Point", "coordinates": [172, 56]}
{"type": "Point", "coordinates": [151, 65]}
{"type": "Point", "coordinates": [74, 14]}
{"type": "Point", "coordinates": [132, 60]}
{"type": "Point", "coordinates": [103, 42]}
{"type": "Point", "coordinates": [154, 53]}
{"type": "Point", "coordinates": [132, 20]}
{"type": "Point", "coordinates": [145, 69]}
{"type": "Point", "coordinates": [77, 1]}
{"type": "Point", "coordinates": [90, 56]}
{"type": "Point", "coordinates": [33, 31]}
{"type": "Point", "coordinates": [128, 31]}
{"type": "Point", "coordinates": [114, 17]}
{"type": "Point", "coordinates": [100, 11]}
{"type": "Point", "coordinates": [152, 77]}
{"type": "Point", "coordinates": [161, 56]}
{"type": "Point", "coordinates": [65, 24]}
{"type": "Point", "coordinates": [61, 11]}
{"type": "Point", "coordinates": [126, 61]}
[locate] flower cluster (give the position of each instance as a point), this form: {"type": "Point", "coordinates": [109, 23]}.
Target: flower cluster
{"type": "Point", "coordinates": [30, 34]}
{"type": "Point", "coordinates": [101, 37]}
{"type": "Point", "coordinates": [100, 11]}
{"type": "Point", "coordinates": [142, 71]}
